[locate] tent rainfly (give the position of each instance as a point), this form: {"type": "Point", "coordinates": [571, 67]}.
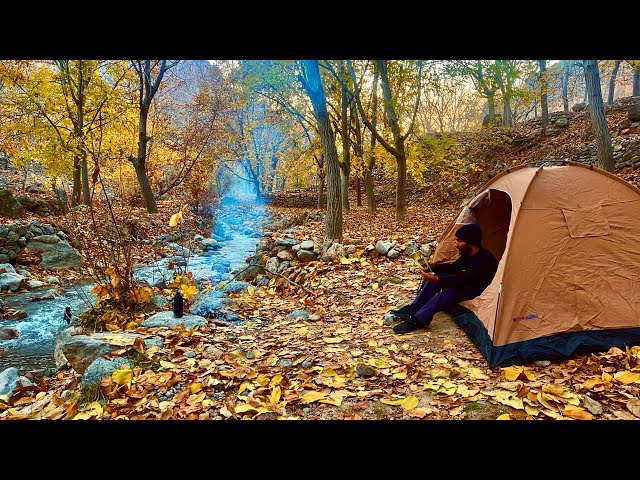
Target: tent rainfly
{"type": "Point", "coordinates": [568, 241]}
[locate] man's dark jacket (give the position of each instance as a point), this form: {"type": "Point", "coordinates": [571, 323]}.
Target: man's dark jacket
{"type": "Point", "coordinates": [475, 272]}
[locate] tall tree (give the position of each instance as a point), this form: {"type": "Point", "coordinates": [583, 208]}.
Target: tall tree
{"type": "Point", "coordinates": [312, 83]}
{"type": "Point", "coordinates": [345, 165]}
{"type": "Point", "coordinates": [483, 74]}
{"type": "Point", "coordinates": [147, 88]}
{"type": "Point", "coordinates": [544, 106]}
{"type": "Point", "coordinates": [612, 82]}
{"type": "Point", "coordinates": [371, 155]}
{"type": "Point", "coordinates": [391, 104]}
{"type": "Point", "coordinates": [604, 149]}
{"type": "Point", "coordinates": [566, 65]}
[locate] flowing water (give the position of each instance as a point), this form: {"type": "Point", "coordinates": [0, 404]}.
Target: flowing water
{"type": "Point", "coordinates": [238, 226]}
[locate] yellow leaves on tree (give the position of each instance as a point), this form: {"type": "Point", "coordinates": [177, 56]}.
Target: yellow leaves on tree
{"type": "Point", "coordinates": [185, 284]}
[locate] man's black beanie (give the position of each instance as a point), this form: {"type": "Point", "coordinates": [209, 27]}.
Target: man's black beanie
{"type": "Point", "coordinates": [470, 233]}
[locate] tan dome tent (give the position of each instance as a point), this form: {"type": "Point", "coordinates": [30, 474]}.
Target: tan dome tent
{"type": "Point", "coordinates": [568, 241]}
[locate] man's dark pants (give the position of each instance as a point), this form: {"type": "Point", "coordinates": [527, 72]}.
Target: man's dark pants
{"type": "Point", "coordinates": [431, 299]}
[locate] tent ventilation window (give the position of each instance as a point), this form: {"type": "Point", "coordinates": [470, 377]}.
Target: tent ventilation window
{"type": "Point", "coordinates": [586, 222]}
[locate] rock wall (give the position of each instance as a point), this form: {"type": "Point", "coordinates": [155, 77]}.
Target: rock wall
{"type": "Point", "coordinates": [14, 237]}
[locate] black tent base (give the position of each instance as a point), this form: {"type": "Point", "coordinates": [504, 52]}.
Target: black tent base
{"type": "Point", "coordinates": [554, 347]}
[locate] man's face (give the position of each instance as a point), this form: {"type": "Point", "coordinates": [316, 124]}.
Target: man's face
{"type": "Point", "coordinates": [463, 248]}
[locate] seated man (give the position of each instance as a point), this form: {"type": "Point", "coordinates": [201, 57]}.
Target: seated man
{"type": "Point", "coordinates": [463, 279]}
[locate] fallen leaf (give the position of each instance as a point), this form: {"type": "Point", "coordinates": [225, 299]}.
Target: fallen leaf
{"type": "Point", "coordinates": [333, 339]}
{"type": "Point", "coordinates": [576, 413]}
{"type": "Point", "coordinates": [122, 377]}
{"type": "Point", "coordinates": [634, 406]}
{"type": "Point", "coordinates": [313, 396]}
{"type": "Point", "coordinates": [626, 377]}
{"type": "Point", "coordinates": [512, 373]}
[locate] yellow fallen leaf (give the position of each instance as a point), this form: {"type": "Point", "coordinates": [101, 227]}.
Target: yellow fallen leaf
{"type": "Point", "coordinates": [590, 383]}
{"type": "Point", "coordinates": [356, 353]}
{"type": "Point", "coordinates": [410, 403]}
{"type": "Point", "coordinates": [122, 377]}
{"type": "Point", "coordinates": [343, 330]}
{"type": "Point", "coordinates": [328, 372]}
{"type": "Point", "coordinates": [251, 289]}
{"type": "Point", "coordinates": [379, 363]}
{"type": "Point", "coordinates": [166, 364]}
{"type": "Point", "coordinates": [332, 399]}
{"type": "Point", "coordinates": [313, 396]}
{"type": "Point", "coordinates": [465, 391]}
{"type": "Point", "coordinates": [333, 339]}
{"type": "Point", "coordinates": [576, 413]}
{"type": "Point", "coordinates": [375, 286]}
{"type": "Point", "coordinates": [195, 388]}
{"type": "Point", "coordinates": [512, 373]}
{"type": "Point", "coordinates": [400, 375]}
{"type": "Point", "coordinates": [302, 331]}
{"type": "Point", "coordinates": [276, 393]}
{"type": "Point", "coordinates": [243, 407]}
{"type": "Point", "coordinates": [276, 379]}
{"type": "Point", "coordinates": [476, 373]}
{"type": "Point", "coordinates": [82, 416]}
{"type": "Point", "coordinates": [626, 377]}
{"type": "Point", "coordinates": [504, 416]}
{"type": "Point", "coordinates": [392, 401]}
{"type": "Point", "coordinates": [531, 410]}
{"type": "Point", "coordinates": [607, 377]}
{"type": "Point", "coordinates": [4, 398]}
{"type": "Point", "coordinates": [93, 409]}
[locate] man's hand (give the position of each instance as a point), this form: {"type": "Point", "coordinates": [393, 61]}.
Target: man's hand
{"type": "Point", "coordinates": [428, 276]}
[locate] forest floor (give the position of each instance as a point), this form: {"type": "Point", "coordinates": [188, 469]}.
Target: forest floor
{"type": "Point", "coordinates": [346, 364]}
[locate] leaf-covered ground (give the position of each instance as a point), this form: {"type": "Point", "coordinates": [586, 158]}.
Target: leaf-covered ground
{"type": "Point", "coordinates": [342, 362]}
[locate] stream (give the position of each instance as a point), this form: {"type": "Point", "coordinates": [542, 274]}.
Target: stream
{"type": "Point", "coordinates": [237, 228]}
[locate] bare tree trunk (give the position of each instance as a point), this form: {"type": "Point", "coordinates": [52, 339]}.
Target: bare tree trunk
{"type": "Point", "coordinates": [147, 90]}
{"type": "Point", "coordinates": [358, 192]}
{"type": "Point", "coordinates": [371, 157]}
{"type": "Point", "coordinates": [612, 82]}
{"type": "Point", "coordinates": [491, 103]}
{"type": "Point", "coordinates": [507, 115]}
{"type": "Point", "coordinates": [636, 83]}
{"type": "Point", "coordinates": [139, 164]}
{"type": "Point", "coordinates": [86, 191]}
{"type": "Point", "coordinates": [565, 85]}
{"type": "Point", "coordinates": [543, 95]}
{"type": "Point", "coordinates": [345, 165]}
{"type": "Point", "coordinates": [75, 195]}
{"type": "Point", "coordinates": [315, 90]}
{"type": "Point", "coordinates": [604, 149]}
{"type": "Point", "coordinates": [320, 183]}
{"type": "Point", "coordinates": [399, 154]}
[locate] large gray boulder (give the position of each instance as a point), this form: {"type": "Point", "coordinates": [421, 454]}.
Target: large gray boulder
{"type": "Point", "coordinates": [56, 253]}
{"type": "Point", "coordinates": [9, 279]}
{"type": "Point", "coordinates": [9, 381]}
{"type": "Point", "coordinates": [81, 350]}
{"type": "Point", "coordinates": [208, 305]}
{"type": "Point", "coordinates": [99, 369]}
{"type": "Point", "coordinates": [634, 112]}
{"type": "Point", "coordinates": [168, 319]}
